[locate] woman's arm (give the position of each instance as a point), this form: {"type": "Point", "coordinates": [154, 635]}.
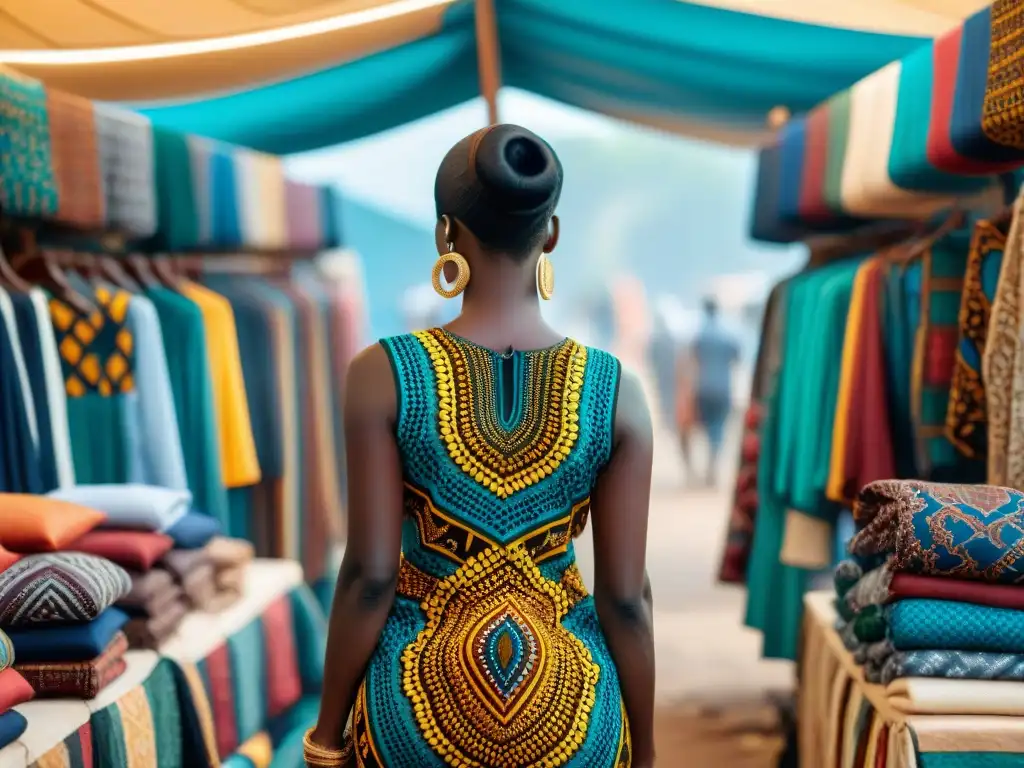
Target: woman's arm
{"type": "Point", "coordinates": [369, 571]}
{"type": "Point", "coordinates": [619, 507]}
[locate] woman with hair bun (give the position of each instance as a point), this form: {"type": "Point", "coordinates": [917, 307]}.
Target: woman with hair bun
{"type": "Point", "coordinates": [461, 632]}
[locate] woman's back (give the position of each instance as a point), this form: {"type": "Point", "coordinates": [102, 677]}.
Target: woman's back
{"type": "Point", "coordinates": [493, 641]}
{"type": "Point", "coordinates": [461, 632]}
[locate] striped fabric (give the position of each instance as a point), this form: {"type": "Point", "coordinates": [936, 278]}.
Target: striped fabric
{"type": "Point", "coordinates": [59, 587]}
{"type": "Point", "coordinates": [74, 752]}
{"type": "Point", "coordinates": [143, 728]}
{"type": "Point", "coordinates": [246, 704]}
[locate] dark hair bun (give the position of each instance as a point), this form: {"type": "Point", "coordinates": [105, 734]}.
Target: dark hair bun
{"type": "Point", "coordinates": [518, 170]}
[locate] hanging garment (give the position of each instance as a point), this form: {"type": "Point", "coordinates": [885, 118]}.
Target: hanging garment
{"type": "Point", "coordinates": [999, 359]}
{"type": "Point", "coordinates": [942, 279]}
{"type": "Point", "coordinates": [739, 537]}
{"type": "Point", "coordinates": [199, 152]}
{"type": "Point", "coordinates": [32, 351]}
{"type": "Point", "coordinates": [188, 363]}
{"type": "Point", "coordinates": [10, 320]}
{"type": "Point", "coordinates": [967, 416]}
{"type": "Point", "coordinates": [55, 393]}
{"type": "Point", "coordinates": [19, 459]}
{"type": "Point", "coordinates": [98, 361]}
{"type": "Point", "coordinates": [239, 463]}
{"type": "Point", "coordinates": [224, 193]}
{"type": "Point", "coordinates": [177, 220]}
{"type": "Point", "coordinates": [253, 512]}
{"type": "Point", "coordinates": [155, 451]}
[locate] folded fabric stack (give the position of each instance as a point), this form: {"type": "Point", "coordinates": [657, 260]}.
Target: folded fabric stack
{"type": "Point", "coordinates": [56, 606]}
{"type": "Point", "coordinates": [933, 587]}
{"type": "Point", "coordinates": [139, 530]}
{"type": "Point", "coordinates": [213, 577]}
{"type": "Point", "coordinates": [14, 690]}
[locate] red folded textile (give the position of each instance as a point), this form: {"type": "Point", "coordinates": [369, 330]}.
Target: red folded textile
{"type": "Point", "coordinates": [14, 689]}
{"type": "Point", "coordinates": [910, 585]}
{"type": "Point", "coordinates": [79, 680]}
{"type": "Point", "coordinates": [138, 550]}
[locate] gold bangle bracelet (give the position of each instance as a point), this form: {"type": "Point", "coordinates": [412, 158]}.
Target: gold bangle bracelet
{"type": "Point", "coordinates": [322, 757]}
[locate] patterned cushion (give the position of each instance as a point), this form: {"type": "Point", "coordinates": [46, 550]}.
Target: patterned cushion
{"type": "Point", "coordinates": [60, 587]}
{"type": "Point", "coordinates": [41, 524]}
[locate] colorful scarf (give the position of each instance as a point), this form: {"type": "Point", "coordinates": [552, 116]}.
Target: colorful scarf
{"type": "Point", "coordinates": [937, 529]}
{"type": "Point", "coordinates": [966, 417]}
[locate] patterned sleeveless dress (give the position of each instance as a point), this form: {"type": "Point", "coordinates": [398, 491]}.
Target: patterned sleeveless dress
{"type": "Point", "coordinates": [492, 656]}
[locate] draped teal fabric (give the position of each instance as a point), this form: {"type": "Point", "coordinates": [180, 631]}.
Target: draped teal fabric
{"type": "Point", "coordinates": [653, 58]}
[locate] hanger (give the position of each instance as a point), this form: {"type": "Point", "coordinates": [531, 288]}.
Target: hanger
{"type": "Point", "coordinates": [164, 270]}
{"type": "Point", "coordinates": [191, 267]}
{"type": "Point", "coordinates": [9, 278]}
{"type": "Point", "coordinates": [138, 268]}
{"type": "Point", "coordinates": [43, 267]}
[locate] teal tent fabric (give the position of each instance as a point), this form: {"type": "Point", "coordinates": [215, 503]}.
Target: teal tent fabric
{"type": "Point", "coordinates": [343, 103]}
{"type": "Point", "coordinates": [642, 58]}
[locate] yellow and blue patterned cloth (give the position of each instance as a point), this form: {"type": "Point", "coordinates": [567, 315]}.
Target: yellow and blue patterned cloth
{"type": "Point", "coordinates": [493, 654]}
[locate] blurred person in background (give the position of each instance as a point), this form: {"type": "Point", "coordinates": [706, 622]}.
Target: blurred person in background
{"type": "Point", "coordinates": [714, 355]}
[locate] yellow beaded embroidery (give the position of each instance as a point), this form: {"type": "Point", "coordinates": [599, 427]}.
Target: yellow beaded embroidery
{"type": "Point", "coordinates": [494, 678]}
{"type": "Point", "coordinates": [504, 461]}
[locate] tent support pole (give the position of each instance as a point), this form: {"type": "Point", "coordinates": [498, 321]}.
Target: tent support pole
{"type": "Point", "coordinates": [488, 53]}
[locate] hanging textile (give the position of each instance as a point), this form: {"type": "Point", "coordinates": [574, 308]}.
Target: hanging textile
{"type": "Point", "coordinates": [28, 186]}
{"type": "Point", "coordinates": [967, 416]}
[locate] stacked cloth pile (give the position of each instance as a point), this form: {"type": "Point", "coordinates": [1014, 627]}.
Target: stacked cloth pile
{"type": "Point", "coordinates": [934, 587]}
{"type": "Point", "coordinates": [14, 690]}
{"type": "Point", "coordinates": [143, 524]}
{"type": "Point", "coordinates": [212, 577]}
{"type": "Point", "coordinates": [56, 606]}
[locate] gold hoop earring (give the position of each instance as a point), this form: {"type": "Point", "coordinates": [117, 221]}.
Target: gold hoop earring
{"type": "Point", "coordinates": [462, 279]}
{"type": "Point", "coordinates": [545, 277]}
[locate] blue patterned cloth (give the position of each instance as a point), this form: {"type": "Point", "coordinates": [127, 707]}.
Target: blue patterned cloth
{"type": "Point", "coordinates": [948, 625]}
{"type": "Point", "coordinates": [971, 532]}
{"type": "Point", "coordinates": [952, 665]}
{"type": "Point", "coordinates": [493, 635]}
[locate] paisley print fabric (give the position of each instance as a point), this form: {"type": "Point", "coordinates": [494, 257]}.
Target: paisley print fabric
{"type": "Point", "coordinates": [966, 417]}
{"type": "Point", "coordinates": [998, 361]}
{"type": "Point", "coordinates": [971, 532]}
{"type": "Point", "coordinates": [492, 655]}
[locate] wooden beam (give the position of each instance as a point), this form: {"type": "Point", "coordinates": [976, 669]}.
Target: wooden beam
{"type": "Point", "coordinates": [488, 54]}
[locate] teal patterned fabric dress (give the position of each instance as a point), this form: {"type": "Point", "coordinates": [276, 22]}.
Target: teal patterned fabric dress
{"type": "Point", "coordinates": [492, 655]}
